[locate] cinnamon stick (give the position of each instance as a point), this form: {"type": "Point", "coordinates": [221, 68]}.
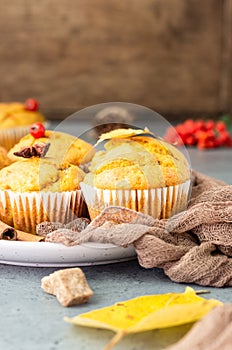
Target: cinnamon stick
{"type": "Point", "coordinates": [9, 233]}
{"type": "Point", "coordinates": [29, 237]}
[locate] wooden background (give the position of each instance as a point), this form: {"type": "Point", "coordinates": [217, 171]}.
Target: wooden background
{"type": "Point", "coordinates": [173, 56]}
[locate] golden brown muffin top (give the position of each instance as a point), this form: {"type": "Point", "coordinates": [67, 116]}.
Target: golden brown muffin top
{"type": "Point", "coordinates": [40, 174]}
{"type": "Point", "coordinates": [4, 160]}
{"type": "Point", "coordinates": [14, 114]}
{"type": "Point", "coordinates": [137, 162]}
{"type": "Point", "coordinates": [64, 148]}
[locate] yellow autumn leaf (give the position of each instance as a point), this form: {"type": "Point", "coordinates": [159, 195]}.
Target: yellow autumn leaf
{"type": "Point", "coordinates": [122, 133]}
{"type": "Point", "coordinates": [146, 313]}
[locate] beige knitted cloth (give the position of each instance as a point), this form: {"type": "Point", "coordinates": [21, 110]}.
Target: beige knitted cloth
{"type": "Point", "coordinates": [194, 246]}
{"type": "Point", "coordinates": [213, 332]}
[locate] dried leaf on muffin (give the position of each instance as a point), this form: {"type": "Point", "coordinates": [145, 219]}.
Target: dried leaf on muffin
{"type": "Point", "coordinates": [123, 133]}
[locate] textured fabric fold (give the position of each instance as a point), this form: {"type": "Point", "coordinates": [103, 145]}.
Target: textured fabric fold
{"type": "Point", "coordinates": [214, 332]}
{"type": "Point", "coordinates": [194, 246]}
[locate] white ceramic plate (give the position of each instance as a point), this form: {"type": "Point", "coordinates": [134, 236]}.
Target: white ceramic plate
{"type": "Point", "coordinates": [55, 254]}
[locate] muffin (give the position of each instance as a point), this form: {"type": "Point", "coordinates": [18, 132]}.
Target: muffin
{"type": "Point", "coordinates": [65, 148]}
{"type": "Point", "coordinates": [40, 189]}
{"type": "Point", "coordinates": [4, 160]}
{"type": "Point", "coordinates": [15, 119]}
{"type": "Point", "coordinates": [137, 171]}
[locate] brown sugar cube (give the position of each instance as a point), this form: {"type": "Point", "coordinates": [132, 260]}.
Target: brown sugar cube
{"type": "Point", "coordinates": [68, 285]}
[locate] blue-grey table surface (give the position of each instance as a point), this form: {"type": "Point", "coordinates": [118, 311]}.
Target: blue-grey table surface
{"type": "Point", "coordinates": [32, 319]}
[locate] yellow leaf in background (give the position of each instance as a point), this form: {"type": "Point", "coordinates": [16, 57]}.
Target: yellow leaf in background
{"type": "Point", "coordinates": [146, 313]}
{"type": "Point", "coordinates": [122, 133]}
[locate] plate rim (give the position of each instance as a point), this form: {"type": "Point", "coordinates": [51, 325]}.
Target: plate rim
{"type": "Point", "coordinates": [26, 253]}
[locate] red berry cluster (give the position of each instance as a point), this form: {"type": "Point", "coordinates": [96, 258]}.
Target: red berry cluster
{"type": "Point", "coordinates": [203, 134]}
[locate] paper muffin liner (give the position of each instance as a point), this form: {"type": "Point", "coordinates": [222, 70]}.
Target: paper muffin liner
{"type": "Point", "coordinates": [9, 137]}
{"type": "Point", "coordinates": [24, 211]}
{"type": "Point", "coordinates": [159, 203]}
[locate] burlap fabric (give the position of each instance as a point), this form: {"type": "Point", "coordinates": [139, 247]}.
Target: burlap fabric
{"type": "Point", "coordinates": [194, 246]}
{"type": "Point", "coordinates": [213, 332]}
